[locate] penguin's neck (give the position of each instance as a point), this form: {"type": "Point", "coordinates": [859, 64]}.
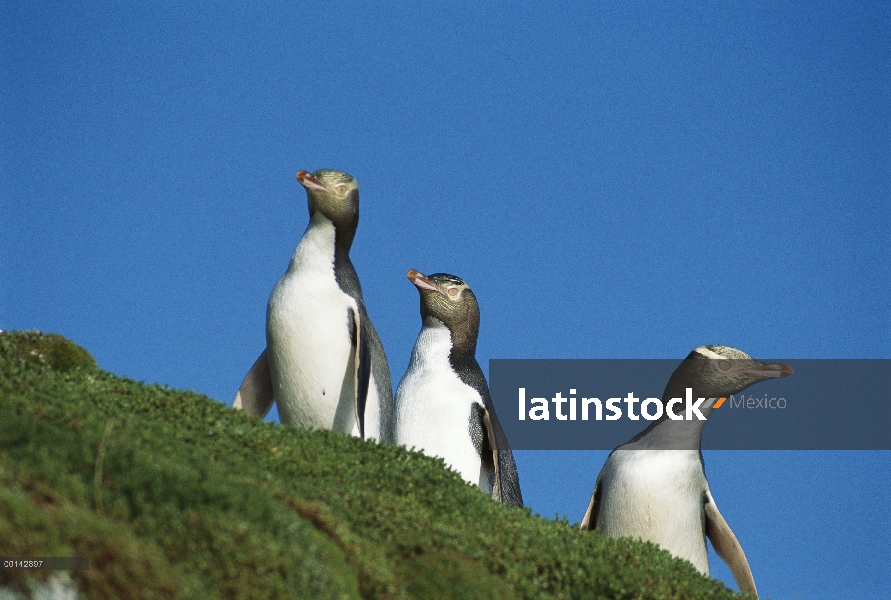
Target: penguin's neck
{"type": "Point", "coordinates": [322, 246]}
{"type": "Point", "coordinates": [463, 345]}
{"type": "Point", "coordinates": [668, 434]}
{"type": "Point", "coordinates": [434, 345]}
{"type": "Point", "coordinates": [338, 236]}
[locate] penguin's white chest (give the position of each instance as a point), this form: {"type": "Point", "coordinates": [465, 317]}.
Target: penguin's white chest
{"type": "Point", "coordinates": [656, 495]}
{"type": "Point", "coordinates": [311, 357]}
{"type": "Point", "coordinates": [433, 405]}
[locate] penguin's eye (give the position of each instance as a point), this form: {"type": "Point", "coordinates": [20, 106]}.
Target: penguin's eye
{"type": "Point", "coordinates": [341, 189]}
{"type": "Point", "coordinates": [724, 365]}
{"type": "Point", "coordinates": [453, 291]}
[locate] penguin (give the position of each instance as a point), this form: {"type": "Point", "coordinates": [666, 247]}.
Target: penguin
{"type": "Point", "coordinates": [324, 364]}
{"type": "Point", "coordinates": [443, 407]}
{"type": "Point", "coordinates": [654, 487]}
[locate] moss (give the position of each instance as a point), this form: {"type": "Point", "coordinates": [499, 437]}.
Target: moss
{"type": "Point", "coordinates": [52, 350]}
{"type": "Point", "coordinates": [173, 495]}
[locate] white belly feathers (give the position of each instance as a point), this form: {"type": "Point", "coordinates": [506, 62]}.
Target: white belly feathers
{"type": "Point", "coordinates": [656, 495]}
{"type": "Point", "coordinates": [433, 405]}
{"type": "Point", "coordinates": [307, 331]}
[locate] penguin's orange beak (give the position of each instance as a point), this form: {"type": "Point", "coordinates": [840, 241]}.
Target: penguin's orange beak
{"type": "Point", "coordinates": [769, 370]}
{"type": "Point", "coordinates": [421, 282]}
{"type": "Point", "coordinates": [309, 182]}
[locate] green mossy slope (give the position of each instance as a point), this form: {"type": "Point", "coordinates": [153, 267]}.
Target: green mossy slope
{"type": "Point", "coordinates": [173, 495]}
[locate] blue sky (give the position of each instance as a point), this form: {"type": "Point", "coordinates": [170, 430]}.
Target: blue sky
{"type": "Point", "coordinates": [613, 180]}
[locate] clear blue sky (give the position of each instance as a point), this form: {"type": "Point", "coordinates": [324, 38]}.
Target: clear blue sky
{"type": "Point", "coordinates": [613, 180]}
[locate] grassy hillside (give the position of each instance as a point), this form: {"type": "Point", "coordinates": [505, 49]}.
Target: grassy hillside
{"type": "Point", "coordinates": [173, 495]}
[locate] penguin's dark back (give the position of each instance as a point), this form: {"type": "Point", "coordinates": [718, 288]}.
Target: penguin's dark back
{"type": "Point", "coordinates": [470, 373]}
{"type": "Point", "coordinates": [348, 280]}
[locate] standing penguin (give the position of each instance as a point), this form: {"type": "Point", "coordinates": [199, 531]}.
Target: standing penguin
{"type": "Point", "coordinates": [324, 363]}
{"type": "Point", "coordinates": [443, 406]}
{"type": "Point", "coordinates": [654, 486]}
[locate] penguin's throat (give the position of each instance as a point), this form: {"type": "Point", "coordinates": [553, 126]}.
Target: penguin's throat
{"type": "Point", "coordinates": [463, 342]}
{"type": "Point", "coordinates": [344, 233]}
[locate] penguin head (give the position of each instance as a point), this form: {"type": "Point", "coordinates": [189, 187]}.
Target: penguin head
{"type": "Point", "coordinates": [448, 299]}
{"type": "Point", "coordinates": [719, 371]}
{"type": "Point", "coordinates": [333, 194]}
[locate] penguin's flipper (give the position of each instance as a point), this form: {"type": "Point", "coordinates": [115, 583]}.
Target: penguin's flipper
{"type": "Point", "coordinates": [255, 394]}
{"type": "Point", "coordinates": [589, 521]}
{"type": "Point", "coordinates": [362, 368]}
{"type": "Point", "coordinates": [492, 443]}
{"type": "Point", "coordinates": [727, 546]}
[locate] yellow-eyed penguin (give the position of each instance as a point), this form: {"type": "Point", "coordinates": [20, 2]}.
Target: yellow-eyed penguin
{"type": "Point", "coordinates": [324, 364]}
{"type": "Point", "coordinates": [654, 487]}
{"type": "Point", "coordinates": [443, 406]}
